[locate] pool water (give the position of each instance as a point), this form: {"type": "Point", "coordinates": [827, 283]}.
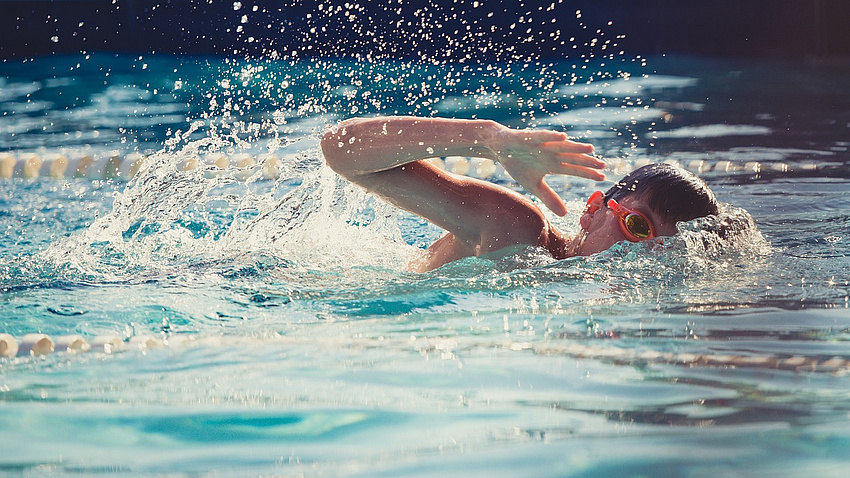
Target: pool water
{"type": "Point", "coordinates": [294, 342]}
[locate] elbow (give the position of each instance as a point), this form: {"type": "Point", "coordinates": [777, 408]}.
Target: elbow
{"type": "Point", "coordinates": [332, 149]}
{"type": "Point", "coordinates": [336, 148]}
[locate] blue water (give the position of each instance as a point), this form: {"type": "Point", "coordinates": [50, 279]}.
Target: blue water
{"type": "Point", "coordinates": [297, 342]}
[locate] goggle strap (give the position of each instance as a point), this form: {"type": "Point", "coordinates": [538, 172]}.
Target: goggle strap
{"type": "Point", "coordinates": [592, 201]}
{"type": "Point", "coordinates": [623, 213]}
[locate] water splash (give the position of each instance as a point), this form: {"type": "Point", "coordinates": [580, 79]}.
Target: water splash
{"type": "Point", "coordinates": [210, 219]}
{"type": "Point", "coordinates": [176, 220]}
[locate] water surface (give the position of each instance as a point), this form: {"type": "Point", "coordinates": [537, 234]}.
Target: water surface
{"type": "Point", "coordinates": [297, 342]}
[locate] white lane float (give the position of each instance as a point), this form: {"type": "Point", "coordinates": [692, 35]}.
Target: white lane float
{"type": "Point", "coordinates": [107, 344]}
{"type": "Point", "coordinates": [116, 166]}
{"type": "Point", "coordinates": [72, 344]}
{"type": "Point", "coordinates": [8, 346]}
{"type": "Point", "coordinates": [37, 344]}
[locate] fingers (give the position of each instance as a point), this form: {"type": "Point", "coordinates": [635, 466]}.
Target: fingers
{"type": "Point", "coordinates": [544, 136]}
{"type": "Point", "coordinates": [567, 146]}
{"type": "Point", "coordinates": [581, 171]}
{"type": "Point", "coordinates": [550, 198]}
{"type": "Point", "coordinates": [581, 160]}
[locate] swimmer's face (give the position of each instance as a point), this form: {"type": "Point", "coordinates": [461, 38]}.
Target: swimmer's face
{"type": "Point", "coordinates": [602, 226]}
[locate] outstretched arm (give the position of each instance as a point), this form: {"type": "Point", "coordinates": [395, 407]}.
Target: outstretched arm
{"type": "Point", "coordinates": [383, 155]}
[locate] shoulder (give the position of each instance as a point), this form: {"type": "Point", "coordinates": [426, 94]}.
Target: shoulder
{"type": "Point", "coordinates": [515, 219]}
{"type": "Point", "coordinates": [553, 241]}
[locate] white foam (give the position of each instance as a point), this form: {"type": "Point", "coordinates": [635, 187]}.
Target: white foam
{"type": "Point", "coordinates": [631, 86]}
{"type": "Point", "coordinates": [714, 131]}
{"type": "Point", "coordinates": [604, 116]}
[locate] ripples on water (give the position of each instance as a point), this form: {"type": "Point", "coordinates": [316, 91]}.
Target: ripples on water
{"type": "Point", "coordinates": [298, 342]}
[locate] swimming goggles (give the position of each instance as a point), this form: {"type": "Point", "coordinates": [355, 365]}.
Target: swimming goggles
{"type": "Point", "coordinates": [635, 226]}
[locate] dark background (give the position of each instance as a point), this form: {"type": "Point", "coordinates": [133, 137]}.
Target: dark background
{"type": "Point", "coordinates": [802, 29]}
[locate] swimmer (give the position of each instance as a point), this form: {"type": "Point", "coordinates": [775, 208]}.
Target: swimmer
{"type": "Point", "coordinates": [385, 156]}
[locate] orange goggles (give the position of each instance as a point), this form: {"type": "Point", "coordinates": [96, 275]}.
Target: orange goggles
{"type": "Point", "coordinates": [635, 226]}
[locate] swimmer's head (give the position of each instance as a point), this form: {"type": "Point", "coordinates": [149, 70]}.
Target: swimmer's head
{"type": "Point", "coordinates": [671, 192]}
{"type": "Point", "coordinates": [647, 203]}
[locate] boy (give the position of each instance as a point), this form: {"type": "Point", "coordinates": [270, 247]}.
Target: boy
{"type": "Point", "coordinates": [384, 155]}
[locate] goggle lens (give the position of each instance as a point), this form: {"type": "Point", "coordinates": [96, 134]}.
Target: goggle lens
{"type": "Point", "coordinates": [638, 226]}
{"type": "Point", "coordinates": [635, 225]}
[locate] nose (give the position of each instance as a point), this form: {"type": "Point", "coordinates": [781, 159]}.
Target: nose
{"type": "Point", "coordinates": [584, 220]}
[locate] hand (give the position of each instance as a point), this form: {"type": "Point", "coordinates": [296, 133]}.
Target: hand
{"type": "Point", "coordinates": [530, 155]}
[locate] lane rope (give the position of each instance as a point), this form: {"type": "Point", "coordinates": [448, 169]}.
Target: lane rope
{"type": "Point", "coordinates": [123, 167]}
{"type": "Point", "coordinates": [38, 344]}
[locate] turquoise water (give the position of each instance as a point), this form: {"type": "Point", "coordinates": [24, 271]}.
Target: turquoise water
{"type": "Point", "coordinates": [296, 343]}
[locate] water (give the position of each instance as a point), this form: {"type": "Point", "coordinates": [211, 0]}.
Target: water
{"type": "Point", "coordinates": [297, 342]}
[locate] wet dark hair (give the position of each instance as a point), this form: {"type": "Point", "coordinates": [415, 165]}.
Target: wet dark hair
{"type": "Point", "coordinates": [671, 192]}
